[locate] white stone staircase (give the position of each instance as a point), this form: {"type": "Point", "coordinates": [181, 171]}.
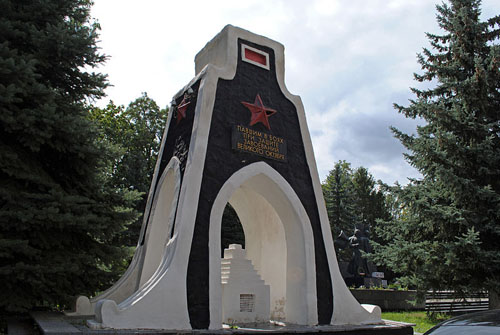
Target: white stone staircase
{"type": "Point", "coordinates": [245, 297]}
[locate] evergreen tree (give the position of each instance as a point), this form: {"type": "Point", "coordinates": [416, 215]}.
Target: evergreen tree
{"type": "Point", "coordinates": [447, 234]}
{"type": "Point", "coordinates": [352, 201]}
{"type": "Point", "coordinates": [369, 200]}
{"type": "Point", "coordinates": [59, 219]}
{"type": "Point", "coordinates": [338, 191]}
{"type": "Point", "coordinates": [352, 198]}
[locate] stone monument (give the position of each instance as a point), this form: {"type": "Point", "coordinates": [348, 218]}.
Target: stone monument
{"type": "Point", "coordinates": [234, 134]}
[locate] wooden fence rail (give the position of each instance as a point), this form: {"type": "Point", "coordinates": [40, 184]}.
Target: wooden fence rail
{"type": "Point", "coordinates": [450, 302]}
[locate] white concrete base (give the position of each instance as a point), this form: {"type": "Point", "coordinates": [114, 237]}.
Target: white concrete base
{"type": "Point", "coordinates": [121, 290]}
{"type": "Point", "coordinates": [160, 302]}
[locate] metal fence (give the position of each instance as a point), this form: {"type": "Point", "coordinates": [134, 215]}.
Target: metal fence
{"type": "Point", "coordinates": [451, 302]}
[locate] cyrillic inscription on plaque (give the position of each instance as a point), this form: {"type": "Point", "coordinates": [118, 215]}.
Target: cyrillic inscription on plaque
{"type": "Point", "coordinates": [259, 143]}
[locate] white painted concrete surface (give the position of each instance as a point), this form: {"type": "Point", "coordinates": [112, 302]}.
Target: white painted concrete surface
{"type": "Point", "coordinates": [245, 296]}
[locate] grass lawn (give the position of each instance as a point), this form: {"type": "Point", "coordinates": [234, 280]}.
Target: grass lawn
{"type": "Point", "coordinates": [420, 318]}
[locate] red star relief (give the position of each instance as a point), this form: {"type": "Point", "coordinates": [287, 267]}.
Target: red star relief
{"type": "Point", "coordinates": [259, 112]}
{"type": "Point", "coordinates": [181, 109]}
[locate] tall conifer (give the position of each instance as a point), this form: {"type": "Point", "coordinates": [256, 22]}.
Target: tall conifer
{"type": "Point", "coordinates": [447, 235]}
{"type": "Point", "coordinates": [338, 190]}
{"type": "Point", "coordinates": [58, 217]}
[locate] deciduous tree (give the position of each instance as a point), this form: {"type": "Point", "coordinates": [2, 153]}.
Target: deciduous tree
{"type": "Point", "coordinates": [135, 135]}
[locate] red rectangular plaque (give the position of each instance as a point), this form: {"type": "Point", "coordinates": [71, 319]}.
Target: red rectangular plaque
{"type": "Point", "coordinates": [255, 56]}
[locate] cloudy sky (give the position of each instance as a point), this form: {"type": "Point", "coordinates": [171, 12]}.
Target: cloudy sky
{"type": "Point", "coordinates": [348, 60]}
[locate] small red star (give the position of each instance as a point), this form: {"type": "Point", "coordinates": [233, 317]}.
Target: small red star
{"type": "Point", "coordinates": [259, 112]}
{"type": "Point", "coordinates": [181, 109]}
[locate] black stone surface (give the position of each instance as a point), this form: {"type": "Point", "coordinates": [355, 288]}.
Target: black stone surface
{"type": "Point", "coordinates": [177, 142]}
{"type": "Point", "coordinates": [222, 161]}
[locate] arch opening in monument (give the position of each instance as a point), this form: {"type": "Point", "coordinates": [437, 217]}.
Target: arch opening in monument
{"type": "Point", "coordinates": [279, 242]}
{"type": "Point", "coordinates": [265, 244]}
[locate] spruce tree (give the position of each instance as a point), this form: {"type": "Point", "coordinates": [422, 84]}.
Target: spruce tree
{"type": "Point", "coordinates": [369, 199]}
{"type": "Point", "coordinates": [447, 233]}
{"type": "Point", "coordinates": [59, 219]}
{"type": "Point", "coordinates": [338, 190]}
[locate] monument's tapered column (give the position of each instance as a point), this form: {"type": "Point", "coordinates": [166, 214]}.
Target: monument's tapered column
{"type": "Point", "coordinates": [235, 134]}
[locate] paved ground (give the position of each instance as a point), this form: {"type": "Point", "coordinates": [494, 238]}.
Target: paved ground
{"type": "Point", "coordinates": [53, 323]}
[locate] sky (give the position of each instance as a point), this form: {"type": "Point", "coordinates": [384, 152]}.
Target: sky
{"type": "Point", "coordinates": [350, 61]}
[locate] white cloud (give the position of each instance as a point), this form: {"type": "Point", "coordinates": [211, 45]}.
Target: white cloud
{"type": "Point", "coordinates": [348, 60]}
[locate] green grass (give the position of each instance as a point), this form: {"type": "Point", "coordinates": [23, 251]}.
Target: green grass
{"type": "Point", "coordinates": [423, 321]}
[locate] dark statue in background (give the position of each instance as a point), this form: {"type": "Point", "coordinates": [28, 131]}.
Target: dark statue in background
{"type": "Point", "coordinates": [359, 265]}
{"type": "Point", "coordinates": [359, 243]}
